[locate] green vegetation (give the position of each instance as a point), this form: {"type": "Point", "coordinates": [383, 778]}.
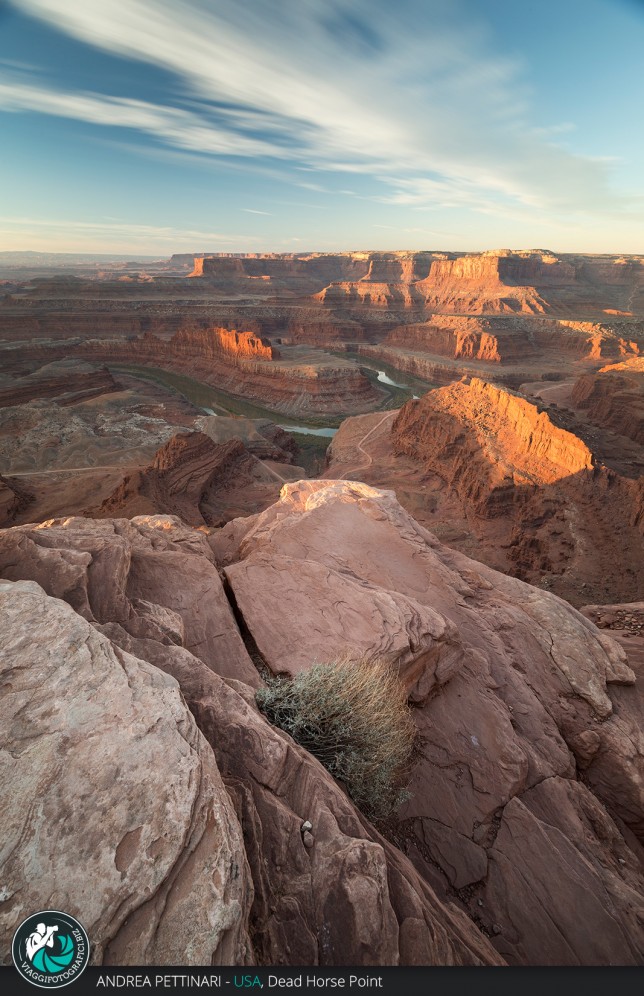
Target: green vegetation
{"type": "Point", "coordinates": [311, 452]}
{"type": "Point", "coordinates": [354, 717]}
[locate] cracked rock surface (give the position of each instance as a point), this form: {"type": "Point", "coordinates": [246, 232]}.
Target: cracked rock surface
{"type": "Point", "coordinates": [345, 896]}
{"type": "Point", "coordinates": [114, 808]}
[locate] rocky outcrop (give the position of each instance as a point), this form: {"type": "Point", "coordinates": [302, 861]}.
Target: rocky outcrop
{"type": "Point", "coordinates": [505, 459]}
{"type": "Point", "coordinates": [313, 271]}
{"type": "Point", "coordinates": [436, 370]}
{"type": "Point", "coordinates": [614, 398]}
{"type": "Point", "coordinates": [368, 293]}
{"type": "Point", "coordinates": [318, 385]}
{"type": "Point", "coordinates": [615, 340]}
{"type": "Point", "coordinates": [454, 337]}
{"type": "Point", "coordinates": [279, 275]}
{"type": "Point", "coordinates": [472, 284]}
{"type": "Point", "coordinates": [526, 798]}
{"type": "Point", "coordinates": [398, 268]}
{"type": "Point", "coordinates": [489, 443]}
{"type": "Point", "coordinates": [526, 791]}
{"type": "Point", "coordinates": [339, 894]}
{"type": "Point", "coordinates": [507, 339]}
{"type": "Point", "coordinates": [526, 282]}
{"type": "Point", "coordinates": [115, 810]}
{"type": "Point", "coordinates": [487, 282]}
{"type": "Point", "coordinates": [152, 576]}
{"type": "Point", "coordinates": [503, 267]}
{"type": "Point", "coordinates": [496, 281]}
{"type": "Point", "coordinates": [197, 479]}
{"type": "Point", "coordinates": [533, 282]}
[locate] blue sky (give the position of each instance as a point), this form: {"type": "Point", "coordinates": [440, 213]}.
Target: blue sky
{"type": "Point", "coordinates": [163, 126]}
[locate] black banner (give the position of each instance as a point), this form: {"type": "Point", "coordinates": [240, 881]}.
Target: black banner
{"type": "Point", "coordinates": [392, 981]}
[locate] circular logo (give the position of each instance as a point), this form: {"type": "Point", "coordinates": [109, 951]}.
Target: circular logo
{"type": "Point", "coordinates": [50, 949]}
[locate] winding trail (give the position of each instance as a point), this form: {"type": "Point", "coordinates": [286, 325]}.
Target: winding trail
{"type": "Point", "coordinates": [343, 473]}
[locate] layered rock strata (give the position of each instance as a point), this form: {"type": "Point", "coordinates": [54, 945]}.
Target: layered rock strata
{"type": "Point", "coordinates": [497, 282]}
{"type": "Point", "coordinates": [66, 382]}
{"type": "Point", "coordinates": [511, 340]}
{"type": "Point", "coordinates": [319, 385]}
{"type": "Point", "coordinates": [210, 343]}
{"type": "Point", "coordinates": [498, 443]}
{"type": "Point", "coordinates": [493, 282]}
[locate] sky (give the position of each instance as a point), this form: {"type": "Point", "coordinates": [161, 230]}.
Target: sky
{"type": "Point", "coordinates": [161, 126]}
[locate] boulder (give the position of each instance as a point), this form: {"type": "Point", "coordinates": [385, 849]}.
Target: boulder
{"type": "Point", "coordinates": [153, 575]}
{"type": "Point", "coordinates": [113, 807]}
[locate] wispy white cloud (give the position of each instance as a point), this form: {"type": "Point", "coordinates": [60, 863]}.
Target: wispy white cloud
{"type": "Point", "coordinates": [170, 124]}
{"type": "Point", "coordinates": [411, 94]}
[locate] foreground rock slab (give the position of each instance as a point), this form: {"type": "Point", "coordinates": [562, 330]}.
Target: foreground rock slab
{"type": "Point", "coordinates": [528, 793]}
{"type": "Point", "coordinates": [339, 895]}
{"type": "Point", "coordinates": [114, 809]}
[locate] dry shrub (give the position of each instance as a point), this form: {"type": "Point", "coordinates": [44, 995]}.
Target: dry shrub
{"type": "Point", "coordinates": [353, 716]}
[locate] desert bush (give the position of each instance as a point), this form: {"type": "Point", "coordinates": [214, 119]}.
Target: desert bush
{"type": "Point", "coordinates": [353, 716]}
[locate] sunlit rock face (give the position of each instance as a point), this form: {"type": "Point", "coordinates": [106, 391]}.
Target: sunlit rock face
{"type": "Point", "coordinates": [248, 366]}
{"type": "Point", "coordinates": [614, 397]}
{"type": "Point", "coordinates": [234, 343]}
{"type": "Point", "coordinates": [506, 460]}
{"type": "Point", "coordinates": [512, 442]}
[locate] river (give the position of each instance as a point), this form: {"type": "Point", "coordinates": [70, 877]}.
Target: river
{"type": "Point", "coordinates": [215, 402]}
{"type": "Point", "coordinates": [212, 401]}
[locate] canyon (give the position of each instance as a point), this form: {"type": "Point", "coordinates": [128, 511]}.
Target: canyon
{"type": "Point", "coordinates": [218, 470]}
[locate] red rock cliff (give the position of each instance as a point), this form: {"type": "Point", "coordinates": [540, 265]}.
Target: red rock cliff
{"type": "Point", "coordinates": [213, 342]}
{"type": "Point", "coordinates": [487, 443]}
